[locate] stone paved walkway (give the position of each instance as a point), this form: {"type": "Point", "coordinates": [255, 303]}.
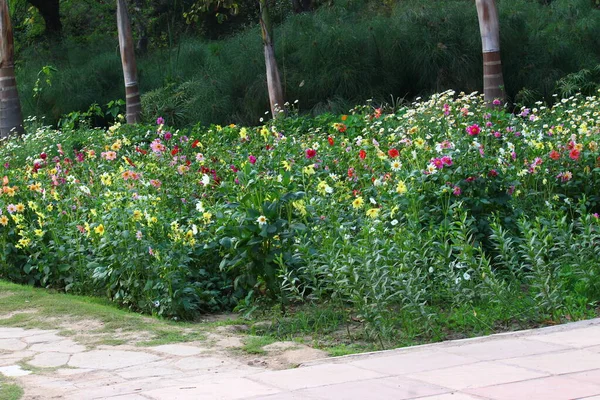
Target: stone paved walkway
{"type": "Point", "coordinates": [557, 363]}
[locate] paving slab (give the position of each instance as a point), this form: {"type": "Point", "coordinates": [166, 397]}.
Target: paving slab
{"type": "Point", "coordinates": [178, 350]}
{"type": "Point", "coordinates": [558, 363]}
{"type": "Point", "coordinates": [62, 346]}
{"type": "Point", "coordinates": [49, 360]}
{"type": "Point", "coordinates": [503, 348]}
{"type": "Point", "coordinates": [107, 359]}
{"type": "Point", "coordinates": [12, 344]}
{"type": "Point", "coordinates": [13, 371]}
{"type": "Point", "coordinates": [232, 389]}
{"type": "Point", "coordinates": [549, 388]}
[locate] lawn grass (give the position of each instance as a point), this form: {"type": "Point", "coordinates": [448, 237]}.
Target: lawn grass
{"type": "Point", "coordinates": [9, 390]}
{"type": "Point", "coordinates": [30, 308]}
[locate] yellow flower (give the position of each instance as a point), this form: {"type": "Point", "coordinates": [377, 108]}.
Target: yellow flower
{"type": "Point", "coordinates": [3, 220]}
{"type": "Point", "coordinates": [137, 215]}
{"type": "Point", "coordinates": [39, 232]}
{"type": "Point", "coordinates": [373, 213]}
{"type": "Point", "coordinates": [49, 207]}
{"type": "Point", "coordinates": [99, 229]}
{"type": "Point", "coordinates": [309, 170]}
{"type": "Point", "coordinates": [419, 142]}
{"type": "Point", "coordinates": [243, 133]}
{"type": "Point", "coordinates": [116, 145]}
{"type": "Point", "coordinates": [401, 188]}
{"type": "Point", "coordinates": [300, 207]}
{"type": "Point", "coordinates": [358, 202]}
{"type": "Point", "coordinates": [20, 207]}
{"type": "Point", "coordinates": [207, 216]}
{"type": "Point", "coordinates": [286, 165]}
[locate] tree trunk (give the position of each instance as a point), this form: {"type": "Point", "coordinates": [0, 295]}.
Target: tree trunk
{"type": "Point", "coordinates": [132, 92]}
{"type": "Point", "coordinates": [273, 77]}
{"type": "Point", "coordinates": [50, 11]}
{"type": "Point", "coordinates": [489, 26]}
{"type": "Point", "coordinates": [11, 118]}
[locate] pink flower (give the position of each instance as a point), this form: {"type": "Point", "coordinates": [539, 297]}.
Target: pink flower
{"type": "Point", "coordinates": [156, 183]}
{"type": "Point", "coordinates": [456, 191]}
{"type": "Point", "coordinates": [496, 102]}
{"type": "Point", "coordinates": [160, 121]}
{"type": "Point", "coordinates": [157, 146]}
{"type": "Point", "coordinates": [438, 163]}
{"type": "Point", "coordinates": [473, 130]}
{"type": "Point", "coordinates": [497, 134]}
{"type": "Point", "coordinates": [311, 153]}
{"type": "Point", "coordinates": [252, 159]}
{"type": "Point", "coordinates": [447, 160]}
{"type": "Point", "coordinates": [109, 155]}
{"type": "Point", "coordinates": [168, 136]}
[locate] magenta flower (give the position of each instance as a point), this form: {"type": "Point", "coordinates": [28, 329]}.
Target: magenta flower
{"type": "Point", "coordinates": [473, 130]}
{"type": "Point", "coordinates": [168, 136]}
{"type": "Point", "coordinates": [447, 160]}
{"type": "Point", "coordinates": [160, 121]}
{"type": "Point", "coordinates": [456, 191]}
{"type": "Point", "coordinates": [252, 159]}
{"type": "Point", "coordinates": [311, 153]}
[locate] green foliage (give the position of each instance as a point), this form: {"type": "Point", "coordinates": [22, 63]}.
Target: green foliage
{"type": "Point", "coordinates": [329, 60]}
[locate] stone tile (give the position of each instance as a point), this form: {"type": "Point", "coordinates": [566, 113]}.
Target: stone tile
{"type": "Point", "coordinates": [451, 396]}
{"type": "Point", "coordinates": [13, 371]}
{"type": "Point", "coordinates": [72, 371]}
{"type": "Point", "coordinates": [106, 359]}
{"type": "Point", "coordinates": [48, 382]}
{"type": "Point", "coordinates": [139, 372]}
{"type": "Point", "coordinates": [127, 387]}
{"type": "Point", "coordinates": [63, 346]}
{"type": "Point", "coordinates": [12, 344]}
{"type": "Point", "coordinates": [43, 338]}
{"type": "Point", "coordinates": [503, 348]}
{"type": "Point", "coordinates": [319, 375]}
{"type": "Point", "coordinates": [410, 362]}
{"type": "Point", "coordinates": [475, 375]}
{"type": "Point", "coordinates": [178, 350]}
{"type": "Point", "coordinates": [49, 360]}
{"type": "Point", "coordinates": [586, 376]}
{"type": "Point", "coordinates": [13, 333]}
{"type": "Point", "coordinates": [583, 337]}
{"type": "Point", "coordinates": [394, 388]}
{"type": "Point", "coordinates": [199, 363]}
{"type": "Point", "coordinates": [128, 397]}
{"type": "Point", "coordinates": [231, 389]}
{"type": "Point", "coordinates": [287, 396]}
{"type": "Point", "coordinates": [18, 354]}
{"type": "Point", "coordinates": [7, 362]}
{"type": "Point", "coordinates": [559, 363]}
{"type": "Point", "coordinates": [550, 388]}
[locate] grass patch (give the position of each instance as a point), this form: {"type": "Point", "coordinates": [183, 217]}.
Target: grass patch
{"type": "Point", "coordinates": [30, 308]}
{"type": "Point", "coordinates": [255, 344]}
{"type": "Point", "coordinates": [9, 390]}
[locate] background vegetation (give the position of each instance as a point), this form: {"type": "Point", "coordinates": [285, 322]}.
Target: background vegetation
{"type": "Point", "coordinates": [341, 54]}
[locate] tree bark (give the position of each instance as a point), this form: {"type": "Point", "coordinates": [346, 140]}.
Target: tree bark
{"type": "Point", "coordinates": [50, 11]}
{"type": "Point", "coordinates": [489, 27]}
{"type": "Point", "coordinates": [11, 118]}
{"type": "Point", "coordinates": [273, 77]}
{"type": "Point", "coordinates": [132, 92]}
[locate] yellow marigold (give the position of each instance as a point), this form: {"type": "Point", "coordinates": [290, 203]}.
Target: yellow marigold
{"type": "Point", "coordinates": [373, 213]}
{"type": "Point", "coordinates": [401, 188]}
{"type": "Point", "coordinates": [358, 202]}
{"type": "Point", "coordinates": [99, 229]}
{"type": "Point", "coordinates": [20, 207]}
{"type": "Point", "coordinates": [3, 220]}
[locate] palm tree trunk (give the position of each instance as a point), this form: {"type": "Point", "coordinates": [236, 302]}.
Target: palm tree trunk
{"type": "Point", "coordinates": [132, 92]}
{"type": "Point", "coordinates": [273, 77]}
{"type": "Point", "coordinates": [11, 118]}
{"type": "Point", "coordinates": [489, 26]}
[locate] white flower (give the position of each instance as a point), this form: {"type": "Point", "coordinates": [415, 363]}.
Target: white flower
{"type": "Point", "coordinates": [396, 165]}
{"type": "Point", "coordinates": [194, 229]}
{"type": "Point", "coordinates": [205, 180]}
{"type": "Point", "coordinates": [262, 220]}
{"type": "Point", "coordinates": [466, 276]}
{"type": "Point", "coordinates": [431, 270]}
{"type": "Point", "coordinates": [372, 200]}
{"type": "Point", "coordinates": [329, 189]}
{"type": "Point", "coordinates": [394, 222]}
{"type": "Point", "coordinates": [199, 207]}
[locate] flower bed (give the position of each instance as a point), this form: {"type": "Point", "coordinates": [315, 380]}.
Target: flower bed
{"type": "Point", "coordinates": [441, 204]}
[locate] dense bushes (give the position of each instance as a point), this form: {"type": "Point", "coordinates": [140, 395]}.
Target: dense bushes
{"type": "Point", "coordinates": [330, 60]}
{"type": "Point", "coordinates": [394, 218]}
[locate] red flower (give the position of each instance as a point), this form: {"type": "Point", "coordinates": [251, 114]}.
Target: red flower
{"type": "Point", "coordinates": [141, 150]}
{"type": "Point", "coordinates": [574, 154]}
{"type": "Point", "coordinates": [350, 172]}
{"type": "Point", "coordinates": [129, 162]}
{"type": "Point", "coordinates": [175, 151]}
{"type": "Point", "coordinates": [43, 156]}
{"type": "Point", "coordinates": [393, 153]}
{"type": "Point", "coordinates": [362, 154]}
{"type": "Point", "coordinates": [330, 140]}
{"type": "Point", "coordinates": [342, 128]}
{"type": "Point", "coordinates": [493, 173]}
{"type": "Point", "coordinates": [195, 144]}
{"type": "Point", "coordinates": [311, 153]}
{"type": "Point", "coordinates": [555, 155]}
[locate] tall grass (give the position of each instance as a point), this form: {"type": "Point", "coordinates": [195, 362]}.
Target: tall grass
{"type": "Point", "coordinates": [330, 60]}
